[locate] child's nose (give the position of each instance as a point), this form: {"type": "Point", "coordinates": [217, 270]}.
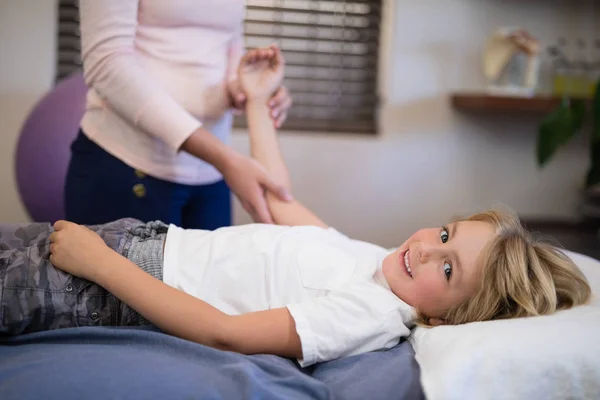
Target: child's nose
{"type": "Point", "coordinates": [429, 253]}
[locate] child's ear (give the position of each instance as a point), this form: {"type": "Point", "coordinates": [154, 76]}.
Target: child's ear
{"type": "Point", "coordinates": [436, 321]}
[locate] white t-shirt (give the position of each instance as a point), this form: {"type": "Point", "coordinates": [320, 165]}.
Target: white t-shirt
{"type": "Point", "coordinates": [332, 285]}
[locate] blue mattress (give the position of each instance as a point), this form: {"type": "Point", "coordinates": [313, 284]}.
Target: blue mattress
{"type": "Point", "coordinates": [143, 363]}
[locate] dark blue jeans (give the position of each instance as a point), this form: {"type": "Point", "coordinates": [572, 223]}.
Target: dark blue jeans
{"type": "Point", "coordinates": [101, 188]}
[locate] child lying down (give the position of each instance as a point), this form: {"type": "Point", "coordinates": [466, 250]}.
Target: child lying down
{"type": "Point", "coordinates": [298, 289]}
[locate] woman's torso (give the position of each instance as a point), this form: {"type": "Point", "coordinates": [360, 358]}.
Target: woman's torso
{"type": "Point", "coordinates": [183, 46]}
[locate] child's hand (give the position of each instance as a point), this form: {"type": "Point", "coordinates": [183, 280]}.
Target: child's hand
{"type": "Point", "coordinates": [76, 249]}
{"type": "Point", "coordinates": [261, 72]}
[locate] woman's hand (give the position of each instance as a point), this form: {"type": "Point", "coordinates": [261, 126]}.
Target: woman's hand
{"type": "Point", "coordinates": [237, 97]}
{"type": "Point", "coordinates": [246, 177]}
{"type": "Point", "coordinates": [249, 180]}
{"type": "Point", "coordinates": [76, 249]}
{"type": "Point", "coordinates": [280, 103]}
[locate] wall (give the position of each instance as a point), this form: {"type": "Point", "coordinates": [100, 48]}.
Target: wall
{"type": "Point", "coordinates": [27, 54]}
{"type": "Point", "coordinates": [427, 164]}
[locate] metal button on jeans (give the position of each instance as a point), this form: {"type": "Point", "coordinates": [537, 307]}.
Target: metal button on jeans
{"type": "Point", "coordinates": [95, 316]}
{"type": "Point", "coordinates": [69, 288]}
{"type": "Point", "coordinates": [139, 190]}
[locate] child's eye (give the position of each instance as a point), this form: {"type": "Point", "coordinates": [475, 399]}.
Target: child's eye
{"type": "Point", "coordinates": [444, 235]}
{"type": "Point", "coordinates": [448, 270]}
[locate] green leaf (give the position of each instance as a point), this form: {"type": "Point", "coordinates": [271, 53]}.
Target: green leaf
{"type": "Point", "coordinates": [558, 127]}
{"type": "Point", "coordinates": [596, 113]}
{"type": "Point", "coordinates": [593, 176]}
{"type": "Point", "coordinates": [578, 114]}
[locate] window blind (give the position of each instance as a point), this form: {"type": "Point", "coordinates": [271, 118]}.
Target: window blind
{"type": "Point", "coordinates": [69, 47]}
{"type": "Point", "coordinates": [331, 49]}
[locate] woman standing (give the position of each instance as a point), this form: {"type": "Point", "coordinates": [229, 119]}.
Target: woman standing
{"type": "Point", "coordinates": [154, 139]}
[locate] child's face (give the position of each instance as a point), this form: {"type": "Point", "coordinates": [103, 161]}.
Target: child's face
{"type": "Point", "coordinates": [443, 266]}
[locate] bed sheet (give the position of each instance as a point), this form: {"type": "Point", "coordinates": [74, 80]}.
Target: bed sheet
{"type": "Point", "coordinates": [143, 363]}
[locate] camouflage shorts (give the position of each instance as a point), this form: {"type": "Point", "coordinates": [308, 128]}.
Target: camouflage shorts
{"type": "Point", "coordinates": [36, 296]}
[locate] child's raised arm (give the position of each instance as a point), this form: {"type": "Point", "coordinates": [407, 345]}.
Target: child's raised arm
{"type": "Point", "coordinates": [260, 73]}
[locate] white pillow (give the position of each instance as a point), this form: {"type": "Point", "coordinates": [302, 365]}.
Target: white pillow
{"type": "Point", "coordinates": [550, 357]}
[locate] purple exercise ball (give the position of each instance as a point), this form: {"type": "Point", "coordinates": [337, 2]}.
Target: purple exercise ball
{"type": "Point", "coordinates": [43, 151]}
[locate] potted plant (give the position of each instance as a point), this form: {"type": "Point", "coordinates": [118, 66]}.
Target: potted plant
{"type": "Point", "coordinates": [564, 123]}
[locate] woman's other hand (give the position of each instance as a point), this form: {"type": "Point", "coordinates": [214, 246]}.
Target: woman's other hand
{"type": "Point", "coordinates": [280, 103]}
{"type": "Point", "coordinates": [249, 180]}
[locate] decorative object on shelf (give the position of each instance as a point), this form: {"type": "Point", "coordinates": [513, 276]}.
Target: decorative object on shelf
{"type": "Point", "coordinates": [511, 63]}
{"type": "Point", "coordinates": [574, 75]}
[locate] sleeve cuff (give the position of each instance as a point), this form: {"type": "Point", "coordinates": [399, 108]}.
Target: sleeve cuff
{"type": "Point", "coordinates": [167, 121]}
{"type": "Point", "coordinates": [307, 339]}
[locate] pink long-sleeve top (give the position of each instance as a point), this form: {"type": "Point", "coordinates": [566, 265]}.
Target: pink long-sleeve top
{"type": "Point", "coordinates": [156, 71]}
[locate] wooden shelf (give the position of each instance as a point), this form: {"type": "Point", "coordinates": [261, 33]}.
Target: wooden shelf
{"type": "Point", "coordinates": [581, 236]}
{"type": "Point", "coordinates": [481, 102]}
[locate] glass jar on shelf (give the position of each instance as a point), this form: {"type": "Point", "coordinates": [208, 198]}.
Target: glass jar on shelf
{"type": "Point", "coordinates": [582, 77]}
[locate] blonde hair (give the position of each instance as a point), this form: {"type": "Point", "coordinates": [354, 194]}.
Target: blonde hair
{"type": "Point", "coordinates": [519, 276]}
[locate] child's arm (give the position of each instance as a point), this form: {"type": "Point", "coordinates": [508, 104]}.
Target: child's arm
{"type": "Point", "coordinates": [81, 252]}
{"type": "Point", "coordinates": [260, 72]}
{"type": "Point", "coordinates": [184, 316]}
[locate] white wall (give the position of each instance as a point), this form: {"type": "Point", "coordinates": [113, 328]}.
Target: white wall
{"type": "Point", "coordinates": [27, 54]}
{"type": "Point", "coordinates": [428, 163]}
